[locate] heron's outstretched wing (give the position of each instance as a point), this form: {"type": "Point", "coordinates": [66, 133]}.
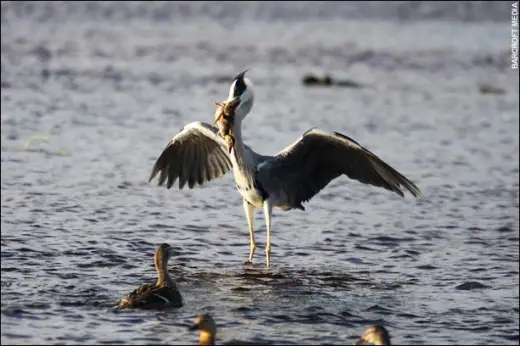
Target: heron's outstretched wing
{"type": "Point", "coordinates": [304, 168]}
{"type": "Point", "coordinates": [196, 154]}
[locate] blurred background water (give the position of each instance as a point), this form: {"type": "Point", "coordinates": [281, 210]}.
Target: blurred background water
{"type": "Point", "coordinates": [109, 83]}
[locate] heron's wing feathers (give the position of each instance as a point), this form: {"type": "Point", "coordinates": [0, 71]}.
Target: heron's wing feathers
{"type": "Point", "coordinates": [258, 158]}
{"type": "Point", "coordinates": [196, 154]}
{"type": "Point", "coordinates": [304, 168]}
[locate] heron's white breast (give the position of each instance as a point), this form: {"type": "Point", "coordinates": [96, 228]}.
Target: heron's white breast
{"type": "Point", "coordinates": [252, 195]}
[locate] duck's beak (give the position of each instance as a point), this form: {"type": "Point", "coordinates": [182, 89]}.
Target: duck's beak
{"type": "Point", "coordinates": [360, 342]}
{"type": "Point", "coordinates": [193, 327]}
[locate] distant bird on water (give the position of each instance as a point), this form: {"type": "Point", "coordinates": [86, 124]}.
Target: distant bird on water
{"type": "Point", "coordinates": [162, 294]}
{"type": "Point", "coordinates": [375, 335]}
{"type": "Point", "coordinates": [198, 154]}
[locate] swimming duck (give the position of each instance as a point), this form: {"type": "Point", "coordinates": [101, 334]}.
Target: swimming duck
{"type": "Point", "coordinates": [375, 335]}
{"type": "Point", "coordinates": [208, 330]}
{"type": "Point", "coordinates": [163, 293]}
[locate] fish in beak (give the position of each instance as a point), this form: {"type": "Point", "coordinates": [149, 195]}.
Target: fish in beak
{"type": "Point", "coordinates": [220, 114]}
{"type": "Point", "coordinates": [230, 141]}
{"type": "Point", "coordinates": [224, 118]}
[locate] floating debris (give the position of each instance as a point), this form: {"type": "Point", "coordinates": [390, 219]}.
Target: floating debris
{"type": "Point", "coordinates": [311, 80]}
{"type": "Point", "coordinates": [31, 139]}
{"type": "Point", "coordinates": [489, 89]}
{"type": "Point", "coordinates": [471, 285]}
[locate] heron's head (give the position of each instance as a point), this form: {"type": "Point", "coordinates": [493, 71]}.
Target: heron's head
{"type": "Point", "coordinates": [375, 335]}
{"type": "Point", "coordinates": [242, 89]}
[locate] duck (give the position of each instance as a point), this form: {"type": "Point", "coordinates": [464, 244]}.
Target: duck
{"type": "Point", "coordinates": [208, 332]}
{"type": "Point", "coordinates": [375, 335]}
{"type": "Point", "coordinates": [163, 293]}
{"type": "Point", "coordinates": [207, 327]}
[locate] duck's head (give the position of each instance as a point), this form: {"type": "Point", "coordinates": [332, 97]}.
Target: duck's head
{"type": "Point", "coordinates": [207, 327]}
{"type": "Point", "coordinates": [163, 253]}
{"type": "Point", "coordinates": [375, 335]}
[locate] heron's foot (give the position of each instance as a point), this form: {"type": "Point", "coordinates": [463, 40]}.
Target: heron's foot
{"type": "Point", "coordinates": [268, 256]}
{"type": "Point", "coordinates": [251, 253]}
{"type": "Point", "coordinates": [249, 263]}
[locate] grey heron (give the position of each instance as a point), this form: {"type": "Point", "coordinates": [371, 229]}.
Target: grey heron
{"type": "Point", "coordinates": [199, 154]}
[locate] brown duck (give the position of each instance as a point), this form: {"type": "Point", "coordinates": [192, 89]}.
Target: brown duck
{"type": "Point", "coordinates": [163, 293]}
{"type": "Point", "coordinates": [375, 335]}
{"type": "Point", "coordinates": [207, 328]}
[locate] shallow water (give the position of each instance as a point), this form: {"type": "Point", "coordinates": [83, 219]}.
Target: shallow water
{"type": "Point", "coordinates": [109, 85]}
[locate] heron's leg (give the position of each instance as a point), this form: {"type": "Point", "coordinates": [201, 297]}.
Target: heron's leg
{"type": "Point", "coordinates": [249, 209]}
{"type": "Point", "coordinates": [268, 210]}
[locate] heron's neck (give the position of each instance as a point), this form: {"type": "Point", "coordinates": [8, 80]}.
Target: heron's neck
{"type": "Point", "coordinates": [161, 266]}
{"type": "Point", "coordinates": [238, 148]}
{"type": "Point", "coordinates": [239, 155]}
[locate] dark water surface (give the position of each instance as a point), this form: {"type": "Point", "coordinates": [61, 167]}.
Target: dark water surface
{"type": "Point", "coordinates": [109, 84]}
